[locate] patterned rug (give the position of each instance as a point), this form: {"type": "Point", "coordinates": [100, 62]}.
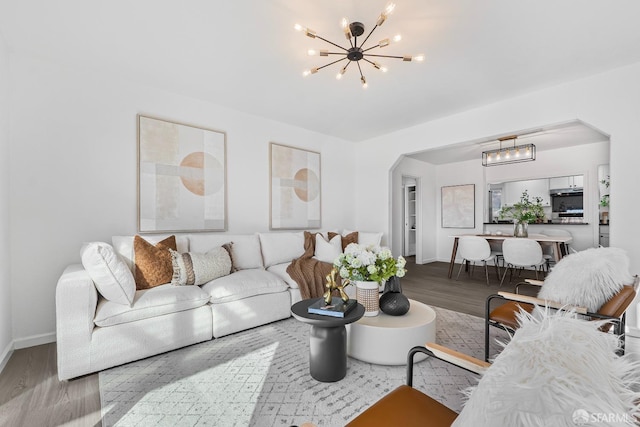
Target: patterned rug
{"type": "Point", "coordinates": [260, 377]}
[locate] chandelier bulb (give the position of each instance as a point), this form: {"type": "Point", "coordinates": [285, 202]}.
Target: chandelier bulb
{"type": "Point", "coordinates": [346, 28]}
{"type": "Point", "coordinates": [384, 69]}
{"type": "Point", "coordinates": [383, 43]}
{"type": "Point", "coordinates": [338, 76]}
{"type": "Point", "coordinates": [364, 82]}
{"type": "Point", "coordinates": [389, 8]}
{"type": "Point", "coordinates": [324, 52]}
{"type": "Point", "coordinates": [419, 58]}
{"type": "Point", "coordinates": [397, 38]}
{"type": "Point", "coordinates": [311, 52]}
{"type": "Point", "coordinates": [507, 154]}
{"type": "Point", "coordinates": [517, 152]}
{"type": "Point", "coordinates": [299, 27]}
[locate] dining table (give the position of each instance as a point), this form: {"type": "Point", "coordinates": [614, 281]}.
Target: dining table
{"type": "Point", "coordinates": [558, 243]}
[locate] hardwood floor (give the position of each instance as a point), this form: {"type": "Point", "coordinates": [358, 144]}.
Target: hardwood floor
{"type": "Point", "coordinates": [31, 395]}
{"type": "Point", "coordinates": [428, 283]}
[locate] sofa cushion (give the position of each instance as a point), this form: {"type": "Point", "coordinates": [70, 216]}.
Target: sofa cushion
{"type": "Point", "coordinates": [153, 264]}
{"type": "Point", "coordinates": [327, 251]}
{"type": "Point", "coordinates": [281, 247]}
{"type": "Point", "coordinates": [280, 270]}
{"type": "Point", "coordinates": [245, 248]}
{"type": "Point", "coordinates": [243, 284]}
{"type": "Point", "coordinates": [123, 245]}
{"type": "Point", "coordinates": [366, 238]}
{"type": "Point", "coordinates": [347, 239]}
{"type": "Point", "coordinates": [156, 301]}
{"type": "Point", "coordinates": [193, 268]}
{"type": "Point", "coordinates": [109, 272]}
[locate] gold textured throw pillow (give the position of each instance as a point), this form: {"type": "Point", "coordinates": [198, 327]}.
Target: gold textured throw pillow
{"type": "Point", "coordinates": [153, 264]}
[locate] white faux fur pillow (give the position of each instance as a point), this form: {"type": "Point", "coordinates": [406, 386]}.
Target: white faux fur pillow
{"type": "Point", "coordinates": [556, 370]}
{"type": "Point", "coordinates": [588, 278]}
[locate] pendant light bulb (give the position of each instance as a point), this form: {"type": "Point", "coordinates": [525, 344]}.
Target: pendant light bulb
{"type": "Point", "coordinates": [364, 82]}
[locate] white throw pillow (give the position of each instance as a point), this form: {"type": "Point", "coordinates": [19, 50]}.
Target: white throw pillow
{"type": "Point", "coordinates": [194, 268]}
{"type": "Point", "coordinates": [555, 368]}
{"type": "Point", "coordinates": [587, 278]}
{"type": "Point", "coordinates": [366, 238]}
{"type": "Point", "coordinates": [328, 251]}
{"type": "Point", "coordinates": [245, 248]}
{"type": "Point", "coordinates": [109, 272]}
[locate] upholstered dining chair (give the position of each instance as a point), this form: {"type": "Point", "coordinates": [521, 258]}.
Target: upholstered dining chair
{"type": "Point", "coordinates": [504, 316]}
{"type": "Point", "coordinates": [476, 249]}
{"type": "Point", "coordinates": [520, 253]}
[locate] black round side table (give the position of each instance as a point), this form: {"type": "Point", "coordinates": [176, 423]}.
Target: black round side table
{"type": "Point", "coordinates": [327, 340]}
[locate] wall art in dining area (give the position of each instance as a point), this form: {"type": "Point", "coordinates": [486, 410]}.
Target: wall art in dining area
{"type": "Point", "coordinates": [295, 188]}
{"type": "Point", "coordinates": [458, 206]}
{"type": "Point", "coordinates": [181, 177]}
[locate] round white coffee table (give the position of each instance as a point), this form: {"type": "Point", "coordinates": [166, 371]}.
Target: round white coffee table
{"type": "Point", "coordinates": [386, 340]}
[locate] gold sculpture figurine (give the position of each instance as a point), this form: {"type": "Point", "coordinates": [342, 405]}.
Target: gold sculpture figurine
{"type": "Point", "coordinates": [331, 286]}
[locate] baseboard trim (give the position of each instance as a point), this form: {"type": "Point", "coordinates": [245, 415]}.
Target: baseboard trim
{"type": "Point", "coordinates": [429, 260]}
{"type": "Point", "coordinates": [34, 340]}
{"type": "Point", "coordinates": [6, 355]}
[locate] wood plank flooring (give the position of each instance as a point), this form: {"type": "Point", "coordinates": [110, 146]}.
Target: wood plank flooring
{"type": "Point", "coordinates": [31, 395]}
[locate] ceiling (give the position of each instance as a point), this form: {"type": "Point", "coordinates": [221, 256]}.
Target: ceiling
{"type": "Point", "coordinates": [544, 138]}
{"type": "Point", "coordinates": [245, 54]}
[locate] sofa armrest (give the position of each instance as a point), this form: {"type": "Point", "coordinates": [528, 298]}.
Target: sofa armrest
{"type": "Point", "coordinates": [76, 302]}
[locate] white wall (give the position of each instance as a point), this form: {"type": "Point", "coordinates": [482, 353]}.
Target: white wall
{"type": "Point", "coordinates": [5, 253]}
{"type": "Point", "coordinates": [609, 101]}
{"type": "Point", "coordinates": [424, 173]}
{"type": "Point", "coordinates": [73, 149]}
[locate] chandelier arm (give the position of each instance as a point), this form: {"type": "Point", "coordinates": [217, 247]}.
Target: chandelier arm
{"type": "Point", "coordinates": [336, 45]}
{"type": "Point", "coordinates": [359, 69]}
{"type": "Point", "coordinates": [368, 35]}
{"type": "Point", "coordinates": [369, 48]}
{"type": "Point", "coordinates": [331, 63]}
{"type": "Point", "coordinates": [385, 56]}
{"type": "Point", "coordinates": [370, 62]}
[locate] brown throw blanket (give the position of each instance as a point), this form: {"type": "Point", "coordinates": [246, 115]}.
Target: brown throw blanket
{"type": "Point", "coordinates": [311, 274]}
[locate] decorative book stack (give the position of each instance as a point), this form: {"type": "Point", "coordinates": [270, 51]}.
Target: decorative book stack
{"type": "Point", "coordinates": [337, 308]}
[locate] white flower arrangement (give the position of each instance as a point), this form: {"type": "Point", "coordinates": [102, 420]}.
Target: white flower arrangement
{"type": "Point", "coordinates": [369, 263]}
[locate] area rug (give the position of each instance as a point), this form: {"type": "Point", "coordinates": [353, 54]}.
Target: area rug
{"type": "Point", "coordinates": [260, 377]}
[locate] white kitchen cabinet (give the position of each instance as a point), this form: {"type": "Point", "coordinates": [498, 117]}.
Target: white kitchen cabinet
{"type": "Point", "coordinates": [534, 187]}
{"type": "Point", "coordinates": [564, 182]}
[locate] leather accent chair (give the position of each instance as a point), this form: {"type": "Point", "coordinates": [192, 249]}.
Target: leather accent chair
{"type": "Point", "coordinates": [408, 407]}
{"type": "Point", "coordinates": [504, 315]}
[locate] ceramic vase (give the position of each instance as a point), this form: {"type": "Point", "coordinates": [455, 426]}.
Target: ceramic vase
{"type": "Point", "coordinates": [367, 294]}
{"type": "Point", "coordinates": [393, 301]}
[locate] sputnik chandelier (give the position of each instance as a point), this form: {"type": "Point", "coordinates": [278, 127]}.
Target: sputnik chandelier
{"type": "Point", "coordinates": [357, 52]}
{"type": "Point", "coordinates": [507, 155]}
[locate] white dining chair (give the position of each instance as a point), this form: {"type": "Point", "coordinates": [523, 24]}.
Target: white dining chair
{"type": "Point", "coordinates": [476, 249]}
{"type": "Point", "coordinates": [521, 253]}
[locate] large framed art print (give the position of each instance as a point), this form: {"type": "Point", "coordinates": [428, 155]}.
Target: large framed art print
{"type": "Point", "coordinates": [181, 177]}
{"type": "Point", "coordinates": [295, 188]}
{"type": "Point", "coordinates": [458, 206]}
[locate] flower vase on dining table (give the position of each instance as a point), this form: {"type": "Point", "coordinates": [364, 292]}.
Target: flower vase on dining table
{"type": "Point", "coordinates": [520, 229]}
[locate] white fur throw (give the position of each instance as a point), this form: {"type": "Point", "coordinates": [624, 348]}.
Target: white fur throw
{"type": "Point", "coordinates": [588, 278]}
{"type": "Point", "coordinates": [557, 371]}
{"type": "Point", "coordinates": [197, 269]}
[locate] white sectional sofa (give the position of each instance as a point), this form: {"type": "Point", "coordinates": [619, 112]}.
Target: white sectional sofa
{"type": "Point", "coordinates": [94, 333]}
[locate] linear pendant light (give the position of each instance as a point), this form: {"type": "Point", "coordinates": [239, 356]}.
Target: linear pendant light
{"type": "Point", "coordinates": [508, 155]}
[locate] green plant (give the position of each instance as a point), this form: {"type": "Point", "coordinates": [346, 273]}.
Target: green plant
{"type": "Point", "coordinates": [604, 200]}
{"type": "Point", "coordinates": [527, 210]}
